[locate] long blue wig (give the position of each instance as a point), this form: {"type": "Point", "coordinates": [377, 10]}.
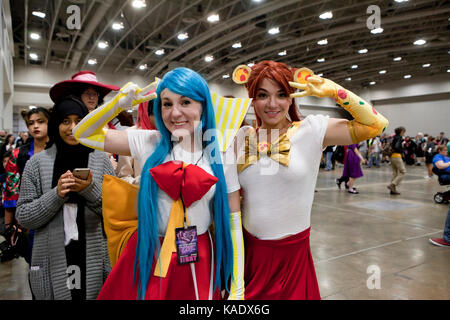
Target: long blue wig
{"type": "Point", "coordinates": [188, 83]}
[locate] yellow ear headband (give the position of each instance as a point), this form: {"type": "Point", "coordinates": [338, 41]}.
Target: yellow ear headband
{"type": "Point", "coordinates": [241, 74]}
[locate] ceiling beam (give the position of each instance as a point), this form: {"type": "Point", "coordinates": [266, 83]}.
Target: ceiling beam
{"type": "Point", "coordinates": [52, 28]}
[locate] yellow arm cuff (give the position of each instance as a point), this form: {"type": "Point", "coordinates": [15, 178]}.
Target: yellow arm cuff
{"type": "Point", "coordinates": [237, 281]}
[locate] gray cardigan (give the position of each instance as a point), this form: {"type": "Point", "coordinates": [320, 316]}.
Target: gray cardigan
{"type": "Point", "coordinates": [41, 208]}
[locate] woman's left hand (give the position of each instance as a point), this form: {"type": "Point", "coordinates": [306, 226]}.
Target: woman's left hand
{"type": "Point", "coordinates": [312, 85]}
{"type": "Point", "coordinates": [81, 184]}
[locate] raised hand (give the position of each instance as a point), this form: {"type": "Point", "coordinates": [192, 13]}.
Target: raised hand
{"type": "Point", "coordinates": [312, 85]}
{"type": "Point", "coordinates": [131, 95]}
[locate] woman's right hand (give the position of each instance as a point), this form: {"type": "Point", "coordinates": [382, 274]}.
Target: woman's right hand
{"type": "Point", "coordinates": [65, 182]}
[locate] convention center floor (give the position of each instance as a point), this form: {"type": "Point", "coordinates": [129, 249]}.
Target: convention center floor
{"type": "Point", "coordinates": [369, 246]}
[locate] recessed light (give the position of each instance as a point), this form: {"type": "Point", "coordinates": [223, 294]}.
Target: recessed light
{"type": "Point", "coordinates": [225, 76]}
{"type": "Point", "coordinates": [209, 58]}
{"type": "Point", "coordinates": [139, 4]}
{"type": "Point", "coordinates": [322, 42]}
{"type": "Point", "coordinates": [38, 14]}
{"type": "Point", "coordinates": [320, 74]}
{"type": "Point", "coordinates": [213, 18]}
{"type": "Point", "coordinates": [34, 56]}
{"type": "Point", "coordinates": [376, 30]}
{"type": "Point", "coordinates": [420, 42]}
{"type": "Point", "coordinates": [397, 58]}
{"type": "Point", "coordinates": [117, 25]}
{"type": "Point", "coordinates": [321, 60]}
{"type": "Point", "coordinates": [326, 15]}
{"type": "Point", "coordinates": [31, 107]}
{"type": "Point", "coordinates": [274, 30]}
{"type": "Point", "coordinates": [407, 76]}
{"type": "Point", "coordinates": [282, 53]}
{"type": "Point", "coordinates": [35, 36]}
{"type": "Point", "coordinates": [382, 71]}
{"type": "Point", "coordinates": [372, 83]}
{"type": "Point", "coordinates": [103, 44]}
{"type": "Point", "coordinates": [355, 66]}
{"type": "Point", "coordinates": [183, 36]}
{"type": "Point", "coordinates": [362, 51]}
{"type": "Point", "coordinates": [159, 52]}
{"type": "Point", "coordinates": [92, 61]}
{"type": "Point", "coordinates": [143, 67]}
{"type": "Point", "coordinates": [251, 64]}
{"type": "Point", "coordinates": [237, 45]}
{"type": "Point", "coordinates": [348, 79]}
{"type": "Point", "coordinates": [426, 65]}
{"type": "Point", "coordinates": [448, 70]}
{"type": "Point", "coordinates": [401, 1]}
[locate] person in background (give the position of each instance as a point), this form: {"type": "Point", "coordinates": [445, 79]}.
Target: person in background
{"type": "Point", "coordinates": [352, 168]}
{"type": "Point", "coordinates": [8, 145]}
{"type": "Point", "coordinates": [329, 155]}
{"type": "Point", "coordinates": [420, 155]}
{"type": "Point", "coordinates": [429, 154]}
{"type": "Point", "coordinates": [69, 257]}
{"type": "Point", "coordinates": [398, 167]}
{"type": "Point", "coordinates": [37, 122]}
{"type": "Point", "coordinates": [374, 152]}
{"type": "Point", "coordinates": [409, 151]}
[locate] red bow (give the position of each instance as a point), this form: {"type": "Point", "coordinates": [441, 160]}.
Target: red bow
{"type": "Point", "coordinates": [191, 182]}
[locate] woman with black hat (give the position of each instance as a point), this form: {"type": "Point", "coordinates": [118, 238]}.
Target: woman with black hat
{"type": "Point", "coordinates": [69, 258]}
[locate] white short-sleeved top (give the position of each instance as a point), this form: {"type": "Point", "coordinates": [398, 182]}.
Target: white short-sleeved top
{"type": "Point", "coordinates": [278, 199]}
{"type": "Point", "coordinates": [143, 143]}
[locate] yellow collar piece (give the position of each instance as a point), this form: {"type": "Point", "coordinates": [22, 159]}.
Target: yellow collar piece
{"type": "Point", "coordinates": [277, 151]}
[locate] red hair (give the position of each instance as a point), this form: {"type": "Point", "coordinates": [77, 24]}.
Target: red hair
{"type": "Point", "coordinates": [278, 72]}
{"type": "Point", "coordinates": [143, 120]}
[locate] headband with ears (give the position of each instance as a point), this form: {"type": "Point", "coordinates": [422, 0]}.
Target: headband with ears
{"type": "Point", "coordinates": [241, 74]}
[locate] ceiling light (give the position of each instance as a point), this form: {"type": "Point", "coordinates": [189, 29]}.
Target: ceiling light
{"type": "Point", "coordinates": [92, 61]}
{"type": "Point", "coordinates": [382, 71]}
{"type": "Point", "coordinates": [426, 65]}
{"type": "Point", "coordinates": [282, 53]}
{"type": "Point", "coordinates": [326, 15]}
{"type": "Point", "coordinates": [376, 30]}
{"type": "Point", "coordinates": [363, 51]}
{"type": "Point", "coordinates": [372, 83]}
{"type": "Point", "coordinates": [213, 18]}
{"type": "Point", "coordinates": [143, 67]}
{"type": "Point", "coordinates": [397, 58]}
{"type": "Point", "coordinates": [225, 76]}
{"type": "Point", "coordinates": [103, 44]}
{"type": "Point", "coordinates": [117, 25]}
{"type": "Point", "coordinates": [34, 56]}
{"type": "Point", "coordinates": [420, 42]}
{"type": "Point", "coordinates": [209, 58]}
{"type": "Point", "coordinates": [139, 4]}
{"type": "Point", "coordinates": [322, 42]}
{"type": "Point", "coordinates": [274, 30]}
{"type": "Point", "coordinates": [321, 60]}
{"type": "Point", "coordinates": [38, 14]}
{"type": "Point", "coordinates": [320, 74]}
{"type": "Point", "coordinates": [407, 76]}
{"type": "Point", "coordinates": [448, 70]}
{"type": "Point", "coordinates": [35, 36]}
{"type": "Point", "coordinates": [159, 52]}
{"type": "Point", "coordinates": [183, 36]}
{"type": "Point", "coordinates": [400, 1]}
{"type": "Point", "coordinates": [31, 107]}
{"type": "Point", "coordinates": [348, 79]}
{"type": "Point", "coordinates": [257, 1]}
{"type": "Point", "coordinates": [237, 45]}
{"type": "Point", "coordinates": [251, 64]}
{"type": "Point", "coordinates": [355, 66]}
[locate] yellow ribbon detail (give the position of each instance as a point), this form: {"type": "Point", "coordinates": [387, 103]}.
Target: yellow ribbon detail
{"type": "Point", "coordinates": [277, 151]}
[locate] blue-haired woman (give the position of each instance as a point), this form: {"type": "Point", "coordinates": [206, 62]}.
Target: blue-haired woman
{"type": "Point", "coordinates": [185, 188]}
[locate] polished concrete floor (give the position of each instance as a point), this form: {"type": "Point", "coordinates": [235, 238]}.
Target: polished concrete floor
{"type": "Point", "coordinates": [370, 246]}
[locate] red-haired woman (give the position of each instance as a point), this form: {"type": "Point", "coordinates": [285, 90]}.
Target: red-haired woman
{"type": "Point", "coordinates": [278, 164]}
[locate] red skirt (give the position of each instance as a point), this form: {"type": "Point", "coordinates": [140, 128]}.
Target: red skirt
{"type": "Point", "coordinates": [177, 285]}
{"type": "Point", "coordinates": [280, 269]}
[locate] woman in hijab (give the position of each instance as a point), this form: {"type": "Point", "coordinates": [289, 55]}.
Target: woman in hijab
{"type": "Point", "coordinates": [69, 257]}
